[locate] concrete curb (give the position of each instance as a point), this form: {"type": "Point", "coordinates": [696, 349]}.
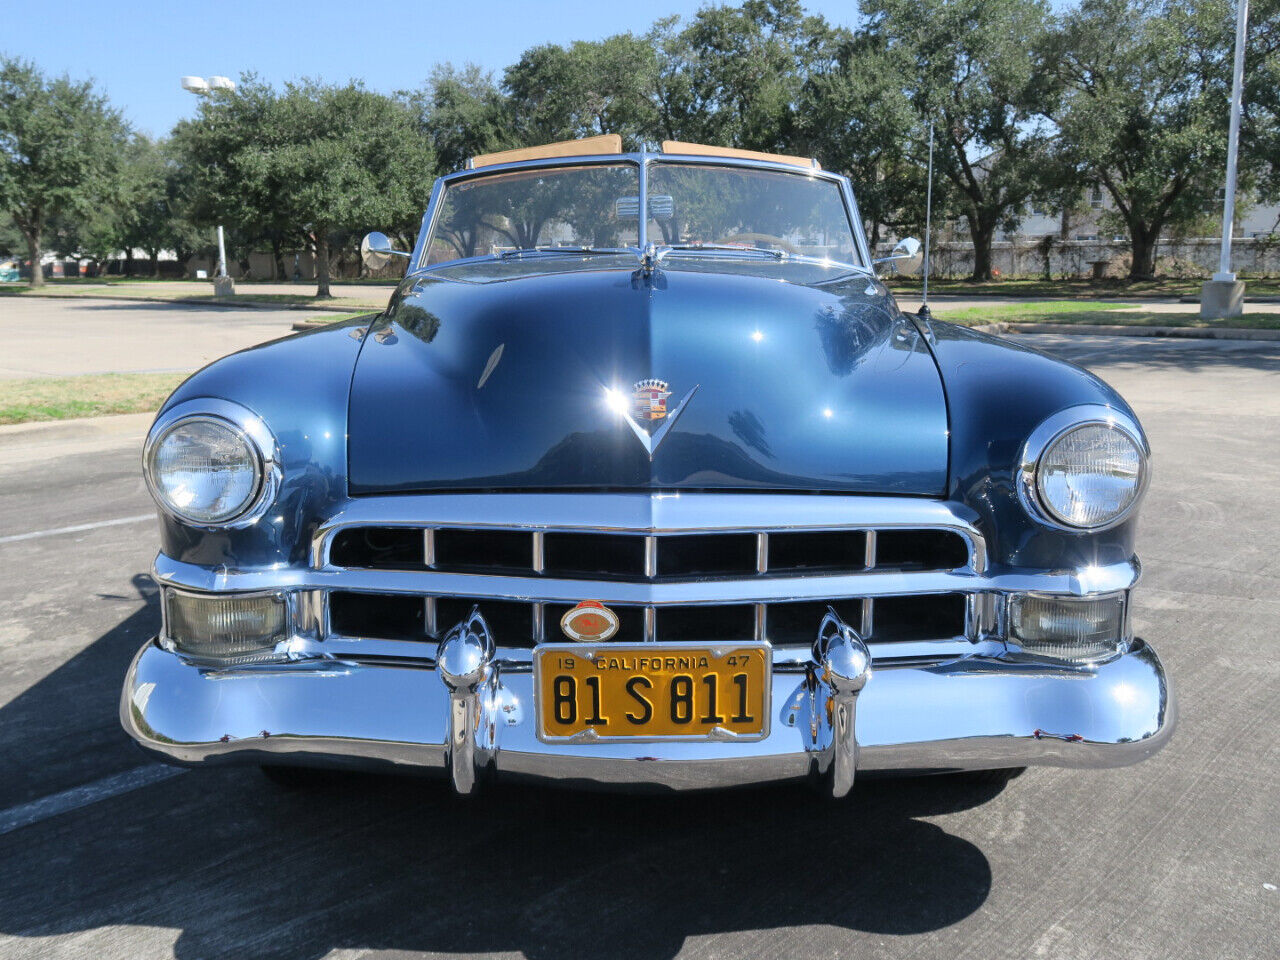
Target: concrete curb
{"type": "Point", "coordinates": [228, 302]}
{"type": "Point", "coordinates": [302, 325]}
{"type": "Point", "coordinates": [111, 424]}
{"type": "Point", "coordinates": [1191, 298]}
{"type": "Point", "coordinates": [1115, 330]}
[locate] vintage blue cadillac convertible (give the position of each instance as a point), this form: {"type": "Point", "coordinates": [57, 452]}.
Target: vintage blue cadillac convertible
{"type": "Point", "coordinates": [642, 479]}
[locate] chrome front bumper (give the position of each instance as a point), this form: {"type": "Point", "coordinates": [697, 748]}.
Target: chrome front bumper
{"type": "Point", "coordinates": [913, 716]}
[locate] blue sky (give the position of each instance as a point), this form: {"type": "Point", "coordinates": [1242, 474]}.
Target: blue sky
{"type": "Point", "coordinates": [136, 51]}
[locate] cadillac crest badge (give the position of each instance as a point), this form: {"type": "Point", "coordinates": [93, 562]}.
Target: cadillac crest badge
{"type": "Point", "coordinates": [650, 399]}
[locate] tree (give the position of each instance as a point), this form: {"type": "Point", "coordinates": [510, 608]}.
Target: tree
{"type": "Point", "coordinates": [224, 175]}
{"type": "Point", "coordinates": [1261, 130]}
{"type": "Point", "coordinates": [968, 66]}
{"type": "Point", "coordinates": [464, 114]}
{"type": "Point", "coordinates": [585, 89]}
{"type": "Point", "coordinates": [60, 145]}
{"type": "Point", "coordinates": [733, 75]}
{"type": "Point", "coordinates": [313, 161]}
{"type": "Point", "coordinates": [1144, 114]}
{"type": "Point", "coordinates": [354, 160]}
{"type": "Point", "coordinates": [856, 118]}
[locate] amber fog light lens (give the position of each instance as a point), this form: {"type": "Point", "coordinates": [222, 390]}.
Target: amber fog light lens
{"type": "Point", "coordinates": [1068, 628]}
{"type": "Point", "coordinates": [225, 626]}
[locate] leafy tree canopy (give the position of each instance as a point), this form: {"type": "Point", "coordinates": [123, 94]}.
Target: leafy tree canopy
{"type": "Point", "coordinates": [60, 152]}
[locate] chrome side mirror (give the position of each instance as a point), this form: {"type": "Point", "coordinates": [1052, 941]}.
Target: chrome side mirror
{"type": "Point", "coordinates": [906, 255]}
{"type": "Point", "coordinates": [376, 250]}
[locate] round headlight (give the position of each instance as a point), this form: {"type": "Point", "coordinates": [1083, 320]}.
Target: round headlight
{"type": "Point", "coordinates": [1090, 475]}
{"type": "Point", "coordinates": [204, 470]}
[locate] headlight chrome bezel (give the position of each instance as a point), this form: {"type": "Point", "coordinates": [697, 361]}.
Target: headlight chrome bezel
{"type": "Point", "coordinates": [251, 428]}
{"type": "Point", "coordinates": [1054, 428]}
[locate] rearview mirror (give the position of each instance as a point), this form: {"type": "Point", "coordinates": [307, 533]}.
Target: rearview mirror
{"type": "Point", "coordinates": [906, 255]}
{"type": "Point", "coordinates": [662, 206]}
{"type": "Point", "coordinates": [376, 250]}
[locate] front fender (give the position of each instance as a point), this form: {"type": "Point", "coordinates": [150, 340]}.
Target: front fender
{"type": "Point", "coordinates": [299, 385]}
{"type": "Point", "coordinates": [997, 393]}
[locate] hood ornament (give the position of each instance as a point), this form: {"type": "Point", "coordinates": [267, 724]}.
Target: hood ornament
{"type": "Point", "coordinates": [647, 405]}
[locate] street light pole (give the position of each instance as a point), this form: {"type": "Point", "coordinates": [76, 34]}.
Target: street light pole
{"type": "Point", "coordinates": [1223, 296]}
{"type": "Point", "coordinates": [222, 284]}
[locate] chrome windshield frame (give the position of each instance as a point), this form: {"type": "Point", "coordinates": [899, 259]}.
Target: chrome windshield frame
{"type": "Point", "coordinates": [642, 162]}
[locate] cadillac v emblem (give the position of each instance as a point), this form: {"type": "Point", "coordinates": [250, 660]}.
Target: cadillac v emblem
{"type": "Point", "coordinates": [651, 400]}
{"type": "Point", "coordinates": [589, 621]}
{"type": "Point", "coordinates": [646, 411]}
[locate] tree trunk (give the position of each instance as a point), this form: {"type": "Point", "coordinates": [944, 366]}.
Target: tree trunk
{"type": "Point", "coordinates": [1142, 240]}
{"type": "Point", "coordinates": [322, 265]}
{"type": "Point", "coordinates": [154, 258]}
{"type": "Point", "coordinates": [277, 259]}
{"type": "Point", "coordinates": [982, 235]}
{"type": "Point", "coordinates": [128, 261]}
{"type": "Point", "coordinates": [35, 253]}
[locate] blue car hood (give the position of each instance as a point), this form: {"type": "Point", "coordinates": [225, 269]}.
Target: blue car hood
{"type": "Point", "coordinates": [503, 386]}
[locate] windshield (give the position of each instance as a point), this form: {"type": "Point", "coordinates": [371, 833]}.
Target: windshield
{"type": "Point", "coordinates": [740, 207]}
{"type": "Point", "coordinates": [695, 210]}
{"type": "Point", "coordinates": [546, 208]}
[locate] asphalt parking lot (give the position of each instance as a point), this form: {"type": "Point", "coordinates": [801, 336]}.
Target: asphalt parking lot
{"type": "Point", "coordinates": [104, 855]}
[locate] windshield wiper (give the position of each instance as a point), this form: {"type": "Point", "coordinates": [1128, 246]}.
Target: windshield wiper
{"type": "Point", "coordinates": [720, 248]}
{"type": "Point", "coordinates": [556, 251]}
{"type": "Point", "coordinates": [760, 252]}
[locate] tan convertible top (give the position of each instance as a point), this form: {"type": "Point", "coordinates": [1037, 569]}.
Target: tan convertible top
{"type": "Point", "coordinates": [702, 150]}
{"type": "Point", "coordinates": [612, 143]}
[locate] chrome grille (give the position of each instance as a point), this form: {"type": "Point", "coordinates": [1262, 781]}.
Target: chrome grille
{"type": "Point", "coordinates": [591, 556]}
{"type": "Point", "coordinates": [694, 566]}
{"type": "Point", "coordinates": [403, 617]}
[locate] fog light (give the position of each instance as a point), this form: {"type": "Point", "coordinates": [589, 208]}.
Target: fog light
{"type": "Point", "coordinates": [230, 625]}
{"type": "Point", "coordinates": [1067, 628]}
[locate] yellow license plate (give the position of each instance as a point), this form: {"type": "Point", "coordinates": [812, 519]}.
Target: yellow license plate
{"type": "Point", "coordinates": [652, 691]}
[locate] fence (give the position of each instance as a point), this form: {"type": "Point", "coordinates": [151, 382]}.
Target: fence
{"type": "Point", "coordinates": [1191, 258]}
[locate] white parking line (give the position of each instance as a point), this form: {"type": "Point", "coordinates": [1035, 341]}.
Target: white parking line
{"type": "Point", "coordinates": [55, 531]}
{"type": "Point", "coordinates": [59, 803]}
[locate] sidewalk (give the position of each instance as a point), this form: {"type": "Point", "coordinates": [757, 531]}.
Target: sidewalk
{"type": "Point", "coordinates": [26, 443]}
{"type": "Point", "coordinates": [346, 297]}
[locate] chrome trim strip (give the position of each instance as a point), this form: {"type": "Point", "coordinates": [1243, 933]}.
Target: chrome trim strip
{"type": "Point", "coordinates": [874, 583]}
{"type": "Point", "coordinates": [652, 514]}
{"type": "Point", "coordinates": [786, 657]}
{"type": "Point", "coordinates": [539, 547]}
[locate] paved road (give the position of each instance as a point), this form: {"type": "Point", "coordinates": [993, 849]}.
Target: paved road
{"type": "Point", "coordinates": [1168, 859]}
{"type": "Point", "coordinates": [51, 337]}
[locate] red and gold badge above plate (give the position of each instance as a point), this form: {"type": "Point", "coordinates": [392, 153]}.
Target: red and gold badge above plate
{"type": "Point", "coordinates": [589, 621]}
